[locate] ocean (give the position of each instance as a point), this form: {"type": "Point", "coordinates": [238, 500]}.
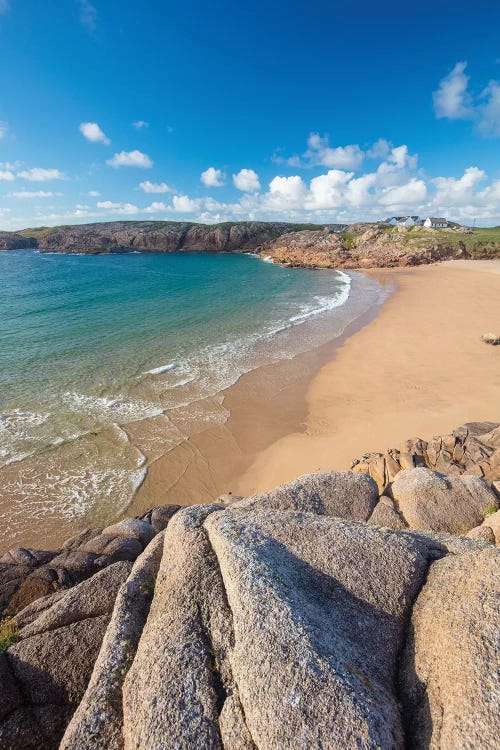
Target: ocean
{"type": "Point", "coordinates": [91, 344]}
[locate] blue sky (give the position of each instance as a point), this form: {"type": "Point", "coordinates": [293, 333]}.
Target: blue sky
{"type": "Point", "coordinates": [209, 111]}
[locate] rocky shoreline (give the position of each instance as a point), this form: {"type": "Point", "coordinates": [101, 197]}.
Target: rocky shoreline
{"type": "Point", "coordinates": [346, 609]}
{"type": "Point", "coordinates": [330, 246]}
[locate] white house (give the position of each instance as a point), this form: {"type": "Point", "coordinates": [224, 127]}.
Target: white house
{"type": "Point", "coordinates": [435, 223]}
{"type": "Point", "coordinates": [403, 221]}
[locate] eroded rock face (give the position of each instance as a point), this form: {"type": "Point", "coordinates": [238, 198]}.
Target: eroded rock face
{"type": "Point", "coordinates": [372, 248]}
{"type": "Point", "coordinates": [473, 448]}
{"type": "Point", "coordinates": [28, 575]}
{"type": "Point", "coordinates": [150, 236]}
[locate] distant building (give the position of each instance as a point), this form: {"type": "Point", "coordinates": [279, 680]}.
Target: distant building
{"type": "Point", "coordinates": [403, 221]}
{"type": "Point", "coordinates": [435, 223]}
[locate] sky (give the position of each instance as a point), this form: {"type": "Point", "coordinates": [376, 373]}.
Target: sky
{"type": "Point", "coordinates": [329, 111]}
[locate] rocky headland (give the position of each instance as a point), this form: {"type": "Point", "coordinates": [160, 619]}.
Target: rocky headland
{"type": "Point", "coordinates": [331, 246]}
{"type": "Point", "coordinates": [342, 610]}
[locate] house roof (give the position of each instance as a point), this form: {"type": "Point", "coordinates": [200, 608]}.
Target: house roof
{"type": "Point", "coordinates": [438, 220]}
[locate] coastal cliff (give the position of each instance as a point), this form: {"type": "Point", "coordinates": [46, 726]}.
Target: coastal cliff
{"type": "Point", "coordinates": [341, 610]}
{"type": "Point", "coordinates": [359, 245]}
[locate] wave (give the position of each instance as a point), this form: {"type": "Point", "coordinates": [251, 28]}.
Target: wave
{"type": "Point", "coordinates": [161, 369]}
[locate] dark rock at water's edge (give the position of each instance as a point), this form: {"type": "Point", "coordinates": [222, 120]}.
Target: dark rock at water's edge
{"type": "Point", "coordinates": [15, 241]}
{"type": "Point", "coordinates": [292, 619]}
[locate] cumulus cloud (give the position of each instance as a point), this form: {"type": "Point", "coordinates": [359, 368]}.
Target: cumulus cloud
{"type": "Point", "coordinates": [319, 152]}
{"type": "Point", "coordinates": [34, 194]}
{"type": "Point", "coordinates": [6, 175]}
{"type": "Point", "coordinates": [155, 187]}
{"type": "Point", "coordinates": [38, 174]}
{"type": "Point", "coordinates": [184, 205]}
{"type": "Point", "coordinates": [140, 124]}
{"type": "Point", "coordinates": [130, 159]}
{"type": "Point", "coordinates": [247, 181]}
{"type": "Point", "coordinates": [118, 208]}
{"type": "Point", "coordinates": [156, 207]}
{"type": "Point", "coordinates": [92, 132]}
{"type": "Point", "coordinates": [212, 177]}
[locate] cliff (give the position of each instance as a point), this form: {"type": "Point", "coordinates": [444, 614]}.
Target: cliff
{"type": "Point", "coordinates": [365, 248]}
{"type": "Point", "coordinates": [323, 614]}
{"type": "Point", "coordinates": [15, 241]}
{"type": "Point", "coordinates": [156, 236]}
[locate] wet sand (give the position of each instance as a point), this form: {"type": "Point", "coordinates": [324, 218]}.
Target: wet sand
{"type": "Point", "coordinates": [419, 369]}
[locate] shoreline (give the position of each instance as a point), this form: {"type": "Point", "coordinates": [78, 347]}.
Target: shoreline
{"type": "Point", "coordinates": [419, 369]}
{"type": "Point", "coordinates": [264, 405]}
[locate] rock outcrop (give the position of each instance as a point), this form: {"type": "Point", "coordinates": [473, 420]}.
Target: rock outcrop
{"type": "Point", "coordinates": [372, 248]}
{"type": "Point", "coordinates": [473, 448]}
{"type": "Point", "coordinates": [15, 241]}
{"type": "Point", "coordinates": [292, 619]}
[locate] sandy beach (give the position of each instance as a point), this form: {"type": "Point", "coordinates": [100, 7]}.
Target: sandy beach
{"type": "Point", "coordinates": [419, 369]}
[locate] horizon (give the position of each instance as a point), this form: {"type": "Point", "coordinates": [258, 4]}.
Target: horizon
{"type": "Point", "coordinates": [350, 114]}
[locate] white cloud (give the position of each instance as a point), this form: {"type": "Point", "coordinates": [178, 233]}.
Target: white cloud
{"type": "Point", "coordinates": [88, 15]}
{"type": "Point", "coordinates": [140, 124]}
{"type": "Point", "coordinates": [328, 190]}
{"type": "Point", "coordinates": [184, 205]}
{"type": "Point", "coordinates": [320, 153]}
{"type": "Point", "coordinates": [285, 193]}
{"type": "Point", "coordinates": [94, 193]}
{"type": "Point", "coordinates": [489, 112]}
{"type": "Point", "coordinates": [452, 99]}
{"type": "Point", "coordinates": [247, 181]}
{"type": "Point", "coordinates": [130, 159]}
{"type": "Point", "coordinates": [156, 207]}
{"type": "Point", "coordinates": [7, 175]}
{"type": "Point", "coordinates": [3, 129]}
{"type": "Point", "coordinates": [38, 174]}
{"type": "Point", "coordinates": [212, 177]}
{"type": "Point", "coordinates": [92, 132]}
{"type": "Point", "coordinates": [458, 192]}
{"type": "Point", "coordinates": [155, 187]}
{"type": "Point", "coordinates": [118, 208]}
{"type": "Point", "coordinates": [34, 194]}
{"type": "Point", "coordinates": [409, 195]}
{"type": "Point", "coordinates": [380, 149]}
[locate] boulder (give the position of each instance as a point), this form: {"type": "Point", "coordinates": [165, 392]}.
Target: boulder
{"type": "Point", "coordinates": [432, 501]}
{"type": "Point", "coordinates": [386, 514]}
{"type": "Point", "coordinates": [492, 521]}
{"type": "Point", "coordinates": [257, 611]}
{"type": "Point", "coordinates": [482, 532]}
{"type": "Point", "coordinates": [334, 493]}
{"type": "Point", "coordinates": [449, 675]}
{"type": "Point", "coordinates": [98, 721]}
{"type": "Point", "coordinates": [131, 528]}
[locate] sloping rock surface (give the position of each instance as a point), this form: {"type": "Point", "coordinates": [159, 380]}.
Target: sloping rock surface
{"type": "Point", "coordinates": [275, 622]}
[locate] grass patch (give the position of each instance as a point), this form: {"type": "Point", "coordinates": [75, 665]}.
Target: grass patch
{"type": "Point", "coordinates": [492, 508]}
{"type": "Point", "coordinates": [9, 633]}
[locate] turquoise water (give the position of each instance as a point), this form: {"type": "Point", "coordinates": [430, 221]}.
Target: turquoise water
{"type": "Point", "coordinates": [90, 344]}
